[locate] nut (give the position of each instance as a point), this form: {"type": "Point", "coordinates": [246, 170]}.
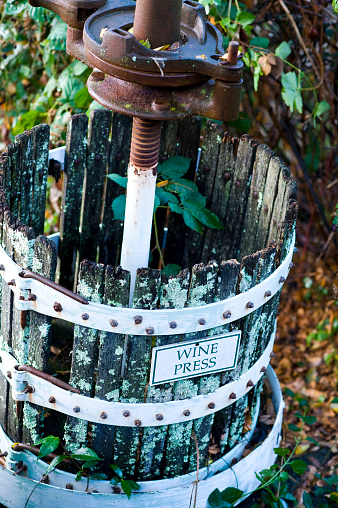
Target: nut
{"type": "Point", "coordinates": [126, 413]}
{"type": "Point", "coordinates": [138, 423]}
{"type": "Point", "coordinates": [173, 324]}
{"type": "Point", "coordinates": [159, 417]}
{"type": "Point", "coordinates": [186, 412]}
{"type": "Point", "coordinates": [211, 405]}
{"type": "Point", "coordinates": [51, 400]}
{"type": "Point", "coordinates": [76, 409]}
{"type": "Point", "coordinates": [57, 307]}
{"type": "Point", "coordinates": [138, 320]}
{"type": "Point", "coordinates": [227, 314]}
{"type": "Point", "coordinates": [232, 396]}
{"type": "Point", "coordinates": [113, 323]}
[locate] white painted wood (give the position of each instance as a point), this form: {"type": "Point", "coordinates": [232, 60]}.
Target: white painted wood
{"type": "Point", "coordinates": [58, 154]}
{"type": "Point", "coordinates": [91, 409]}
{"type": "Point", "coordinates": [187, 319]}
{"type": "Point", "coordinates": [138, 222]}
{"type": "Point", "coordinates": [164, 493]}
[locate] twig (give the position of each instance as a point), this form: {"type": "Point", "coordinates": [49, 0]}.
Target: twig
{"type": "Point", "coordinates": [325, 247]}
{"type": "Point", "coordinates": [197, 471]}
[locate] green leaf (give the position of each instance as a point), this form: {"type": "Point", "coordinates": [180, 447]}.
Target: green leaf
{"type": "Point", "coordinates": [215, 499]}
{"type": "Point", "coordinates": [85, 453]}
{"type": "Point", "coordinates": [309, 420]}
{"type": "Point", "coordinates": [126, 487]}
{"type": "Point", "coordinates": [291, 92]}
{"type": "Point", "coordinates": [55, 462]}
{"type": "Point", "coordinates": [319, 109]}
{"type": "Point", "coordinates": [192, 222]}
{"type": "Point", "coordinates": [119, 207]}
{"type": "Point", "coordinates": [332, 480]}
{"type": "Point", "coordinates": [283, 50]}
{"type": "Point", "coordinates": [117, 470]}
{"type": "Point", "coordinates": [293, 427]}
{"type": "Point", "coordinates": [283, 476]}
{"type": "Point", "coordinates": [207, 218]}
{"type": "Point", "coordinates": [282, 452]}
{"type": "Point", "coordinates": [48, 445]}
{"type": "Point", "coordinates": [175, 208]}
{"type": "Point", "coordinates": [312, 440]}
{"type": "Point", "coordinates": [82, 98]}
{"type": "Point", "coordinates": [174, 167]}
{"type": "Point", "coordinates": [78, 68]}
{"type": "Point", "coordinates": [28, 120]}
{"type": "Point", "coordinates": [307, 501]}
{"type": "Point", "coordinates": [134, 485]}
{"type": "Point", "coordinates": [171, 269]}
{"type": "Point", "coordinates": [166, 197]}
{"type": "Point", "coordinates": [89, 464]}
{"type": "Point", "coordinates": [298, 466]}
{"type": "Point", "coordinates": [290, 393]}
{"type": "Point", "coordinates": [245, 18]}
{"type": "Point", "coordinates": [184, 188]}
{"type": "Point", "coordinates": [242, 123]}
{"type": "Point", "coordinates": [231, 495]}
{"type": "Point", "coordinates": [115, 480]}
{"type": "Point", "coordinates": [260, 42]}
{"type": "Point", "coordinates": [157, 203]}
{"type": "Point", "coordinates": [194, 202]}
{"type": "Point", "coordinates": [120, 180]}
{"type": "Point", "coordinates": [98, 476]}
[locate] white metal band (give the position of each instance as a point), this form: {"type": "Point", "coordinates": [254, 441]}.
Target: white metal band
{"type": "Point", "coordinates": [154, 322]}
{"type": "Point", "coordinates": [130, 414]}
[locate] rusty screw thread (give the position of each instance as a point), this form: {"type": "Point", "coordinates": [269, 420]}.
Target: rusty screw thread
{"type": "Point", "coordinates": [145, 144]}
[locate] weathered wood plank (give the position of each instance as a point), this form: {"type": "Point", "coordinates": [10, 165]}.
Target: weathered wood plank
{"type": "Point", "coordinates": [111, 351]}
{"type": "Point", "coordinates": [255, 199]}
{"type": "Point", "coordinates": [44, 263]}
{"type": "Point", "coordinates": [136, 370]}
{"type": "Point", "coordinates": [4, 173]}
{"type": "Point", "coordinates": [40, 135]}
{"type": "Point", "coordinates": [94, 183]}
{"type": "Point", "coordinates": [110, 249]}
{"type": "Point", "coordinates": [13, 187]}
{"type": "Point", "coordinates": [84, 356]}
{"type": "Point", "coordinates": [75, 162]}
{"type": "Point", "coordinates": [173, 295]}
{"type": "Point", "coordinates": [25, 142]}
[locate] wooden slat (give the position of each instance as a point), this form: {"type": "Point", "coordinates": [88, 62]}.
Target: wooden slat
{"type": "Point", "coordinates": [111, 350]}
{"type": "Point", "coordinates": [44, 263]}
{"type": "Point", "coordinates": [118, 163]}
{"type": "Point", "coordinates": [25, 141]}
{"type": "Point", "coordinates": [13, 187]}
{"type": "Point", "coordinates": [75, 162]}
{"type": "Point", "coordinates": [40, 135]}
{"type": "Point", "coordinates": [84, 356]}
{"type": "Point", "coordinates": [136, 369]}
{"type": "Point", "coordinates": [173, 295]}
{"type": "Point", "coordinates": [4, 174]}
{"type": "Point", "coordinates": [94, 183]}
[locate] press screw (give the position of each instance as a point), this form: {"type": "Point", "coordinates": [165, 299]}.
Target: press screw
{"type": "Point", "coordinates": [98, 156]}
{"type": "Point", "coordinates": [263, 369]}
{"type": "Point", "coordinates": [150, 331]}
{"type": "Point", "coordinates": [2, 268]}
{"type": "Point", "coordinates": [227, 314]}
{"type": "Point", "coordinates": [173, 324]}
{"type": "Point", "coordinates": [226, 176]}
{"type": "Point", "coordinates": [238, 184]}
{"type": "Point", "coordinates": [249, 305]}
{"type": "Point", "coordinates": [159, 417]}
{"type": "Point", "coordinates": [211, 405]}
{"type": "Point", "coordinates": [282, 280]}
{"type": "Point", "coordinates": [76, 409]}
{"type": "Point", "coordinates": [138, 320]}
{"type": "Point", "coordinates": [126, 413]}
{"type": "Point", "coordinates": [29, 389]}
{"type": "Point", "coordinates": [104, 416]}
{"type": "Point", "coordinates": [206, 169]}
{"type": "Point", "coordinates": [266, 208]}
{"type": "Point", "coordinates": [201, 321]}
{"type": "Point", "coordinates": [119, 156]}
{"type": "Point", "coordinates": [255, 194]}
{"type": "Point", "coordinates": [232, 395]}
{"type": "Point", "coordinates": [138, 423]}
{"type": "Point", "coordinates": [57, 307]}
{"type": "Point", "coordinates": [272, 354]}
{"type": "Point", "coordinates": [186, 412]}
{"type": "Point", "coordinates": [249, 383]}
{"type": "Point", "coordinates": [9, 374]}
{"type": "Point", "coordinates": [267, 293]}
{"type": "Point", "coordinates": [31, 297]}
{"type": "Point", "coordinates": [113, 323]}
{"type": "Point", "coordinates": [85, 316]}
{"type": "Point", "coordinates": [161, 105]}
{"type": "Point", "coordinates": [77, 161]}
{"type": "Point", "coordinates": [69, 486]}
{"type": "Point", "coordinates": [51, 400]}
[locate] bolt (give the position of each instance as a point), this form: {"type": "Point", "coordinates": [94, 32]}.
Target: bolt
{"type": "Point", "coordinates": [272, 354]}
{"type": "Point", "coordinates": [119, 156]}
{"type": "Point", "coordinates": [85, 316]}
{"type": "Point", "coordinates": [11, 282]}
{"type": "Point", "coordinates": [22, 469]}
{"type": "Point", "coordinates": [2, 268]}
{"type": "Point", "coordinates": [159, 417]}
{"type": "Point", "coordinates": [232, 395]}
{"type": "Point", "coordinates": [227, 314]}
{"type": "Point", "coordinates": [9, 374]}
{"type": "Point", "coordinates": [51, 400]}
{"type": "Point", "coordinates": [201, 321]}
{"type": "Point", "coordinates": [138, 423]}
{"type": "Point", "coordinates": [40, 175]}
{"type": "Point", "coordinates": [161, 105]}
{"type": "Point", "coordinates": [69, 486]}
{"type": "Point", "coordinates": [282, 280]}
{"type": "Point", "coordinates": [186, 412]}
{"type": "Point", "coordinates": [26, 182]}
{"type": "Point", "coordinates": [138, 320]}
{"type": "Point", "coordinates": [21, 297]}
{"type": "Point", "coordinates": [226, 176]}
{"type": "Point", "coordinates": [263, 369]}
{"type": "Point", "coordinates": [126, 413]}
{"type": "Point", "coordinates": [57, 307]}
{"type": "Point", "coordinates": [113, 323]}
{"type": "Point", "coordinates": [104, 416]}
{"type": "Point", "coordinates": [150, 331]}
{"type": "Point", "coordinates": [255, 194]}
{"type": "Point", "coordinates": [233, 52]}
{"type": "Point", "coordinates": [77, 161]}
{"type": "Point", "coordinates": [267, 293]}
{"type": "Point", "coordinates": [31, 297]}
{"type": "Point", "coordinates": [28, 389]}
{"type": "Point", "coordinates": [249, 305]}
{"type": "Point", "coordinates": [76, 409]}
{"type": "Point", "coordinates": [249, 383]}
{"type": "Point", "coordinates": [173, 324]}
{"type": "Point", "coordinates": [98, 157]}
{"type": "Point", "coordinates": [266, 208]}
{"type": "Point", "coordinates": [238, 184]}
{"type": "Point", "coordinates": [206, 169]}
{"type": "Point", "coordinates": [211, 405]}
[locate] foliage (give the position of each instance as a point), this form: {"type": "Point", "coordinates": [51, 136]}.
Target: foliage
{"type": "Point", "coordinates": [127, 485]}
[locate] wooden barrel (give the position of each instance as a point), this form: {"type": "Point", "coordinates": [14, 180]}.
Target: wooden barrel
{"type": "Point", "coordinates": [218, 293]}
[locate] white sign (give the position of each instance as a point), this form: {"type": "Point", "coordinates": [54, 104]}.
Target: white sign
{"type": "Point", "coordinates": [194, 358]}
